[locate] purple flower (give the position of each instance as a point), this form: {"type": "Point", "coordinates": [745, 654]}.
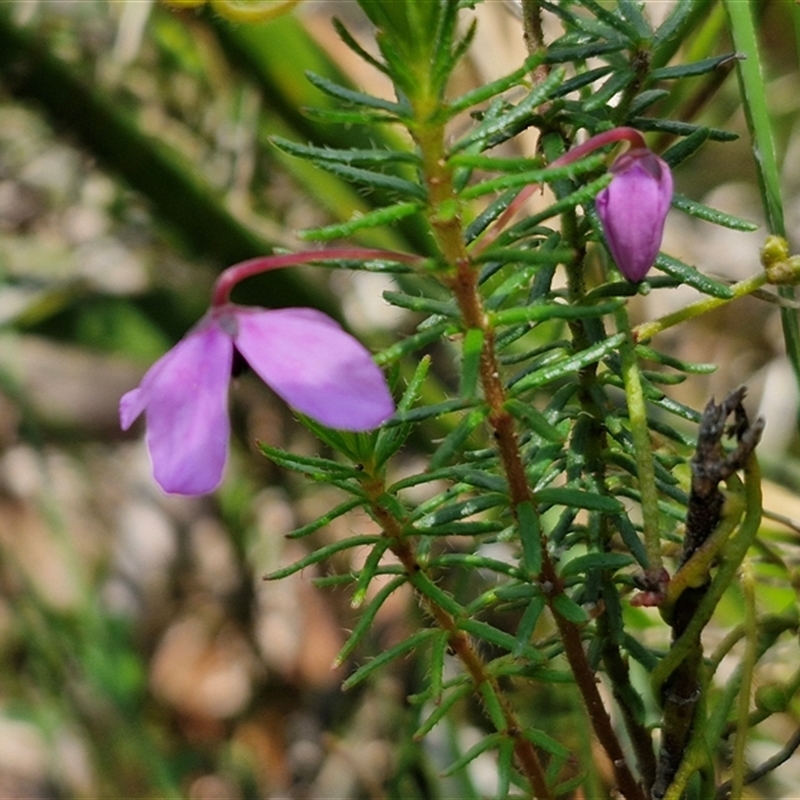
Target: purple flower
{"type": "Point", "coordinates": [633, 208]}
{"type": "Point", "coordinates": [302, 354]}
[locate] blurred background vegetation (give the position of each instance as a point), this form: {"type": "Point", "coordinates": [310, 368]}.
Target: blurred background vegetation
{"type": "Point", "coordinates": [141, 654]}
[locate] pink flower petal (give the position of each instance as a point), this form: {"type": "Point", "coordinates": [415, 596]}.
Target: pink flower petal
{"type": "Point", "coordinates": [184, 397]}
{"type": "Point", "coordinates": [317, 368]}
{"type": "Point", "coordinates": [633, 209]}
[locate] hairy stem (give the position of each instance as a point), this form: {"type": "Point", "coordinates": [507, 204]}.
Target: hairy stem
{"type": "Point", "coordinates": [462, 279]}
{"type": "Point", "coordinates": [460, 643]}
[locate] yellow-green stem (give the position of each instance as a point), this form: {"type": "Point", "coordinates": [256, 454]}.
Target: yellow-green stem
{"type": "Point", "coordinates": [748, 668]}
{"type": "Point", "coordinates": [642, 447]}
{"type": "Point", "coordinates": [647, 330]}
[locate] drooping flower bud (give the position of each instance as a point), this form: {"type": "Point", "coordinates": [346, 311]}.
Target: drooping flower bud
{"type": "Point", "coordinates": [633, 208]}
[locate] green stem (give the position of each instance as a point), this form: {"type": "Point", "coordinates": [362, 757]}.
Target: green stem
{"type": "Point", "coordinates": [647, 330]}
{"type": "Point", "coordinates": [748, 668]}
{"type": "Point", "coordinates": [759, 123]}
{"type": "Point", "coordinates": [642, 447]}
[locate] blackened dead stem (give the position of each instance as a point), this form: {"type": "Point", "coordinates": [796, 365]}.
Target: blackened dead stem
{"type": "Point", "coordinates": [682, 689]}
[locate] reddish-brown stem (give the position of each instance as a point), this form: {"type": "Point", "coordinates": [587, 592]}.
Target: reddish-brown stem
{"type": "Point", "coordinates": [463, 282]}
{"type": "Point", "coordinates": [255, 266]}
{"type": "Point", "coordinates": [462, 646]}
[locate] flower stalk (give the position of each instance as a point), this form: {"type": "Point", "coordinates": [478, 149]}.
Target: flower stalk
{"type": "Point", "coordinates": [235, 274]}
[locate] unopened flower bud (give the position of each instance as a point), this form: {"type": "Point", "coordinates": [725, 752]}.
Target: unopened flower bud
{"type": "Point", "coordinates": [633, 208]}
{"type": "Point", "coordinates": [781, 268]}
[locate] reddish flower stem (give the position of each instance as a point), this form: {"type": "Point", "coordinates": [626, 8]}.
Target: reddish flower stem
{"type": "Point", "coordinates": [255, 266]}
{"type": "Point", "coordinates": [623, 134]}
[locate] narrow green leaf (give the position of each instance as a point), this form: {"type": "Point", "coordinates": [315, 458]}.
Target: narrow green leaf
{"type": "Point", "coordinates": [566, 607]}
{"type": "Point", "coordinates": [442, 709]}
{"type": "Point", "coordinates": [325, 519]}
{"type": "Point", "coordinates": [495, 163]}
{"type": "Point", "coordinates": [631, 539]}
{"type": "Point", "coordinates": [375, 180]}
{"type": "Point", "coordinates": [493, 706]}
{"type": "Point", "coordinates": [527, 624]}
{"type": "Point", "coordinates": [427, 588]}
{"type": "Point", "coordinates": [461, 509]}
{"type": "Point", "coordinates": [412, 643]}
{"type": "Point", "coordinates": [695, 68]}
{"type": "Point", "coordinates": [505, 767]}
{"type": "Point", "coordinates": [421, 304]}
{"type": "Point", "coordinates": [596, 561]}
{"type": "Point", "coordinates": [416, 341]}
{"type": "Point", "coordinates": [663, 378]}
{"type": "Point", "coordinates": [493, 130]}
{"type": "Point", "coordinates": [759, 123]}
{"type": "Point", "coordinates": [414, 387]}
{"type": "Point", "coordinates": [691, 277]}
{"type": "Point", "coordinates": [577, 498]}
{"type": "Point", "coordinates": [681, 128]}
{"type": "Point", "coordinates": [454, 441]}
{"type": "Point", "coordinates": [534, 419]}
{"type": "Point", "coordinates": [530, 535]}
{"type": "Point", "coordinates": [354, 158]}
{"type": "Point", "coordinates": [468, 528]}
{"type": "Point", "coordinates": [672, 31]}
{"type": "Point", "coordinates": [537, 312]}
{"type": "Point", "coordinates": [615, 21]}
{"type": "Point", "coordinates": [368, 572]}
{"type": "Point", "coordinates": [371, 219]}
{"type": "Point", "coordinates": [701, 211]}
{"type": "Point", "coordinates": [560, 54]}
{"type": "Point", "coordinates": [474, 561]}
{"type": "Point", "coordinates": [487, 743]}
{"type": "Point", "coordinates": [482, 630]}
{"type": "Point", "coordinates": [584, 196]}
{"type": "Point", "coordinates": [486, 92]}
{"type": "Point", "coordinates": [568, 787]}
{"type": "Point", "coordinates": [568, 366]}
{"type": "Point", "coordinates": [569, 171]}
{"type": "Point", "coordinates": [684, 148]}
{"type": "Point", "coordinates": [355, 98]}
{"type": "Point", "coordinates": [471, 350]}
{"type": "Point", "coordinates": [639, 652]}
{"type": "Point", "coordinates": [351, 42]}
{"type": "Point", "coordinates": [618, 81]}
{"type": "Point", "coordinates": [588, 26]}
{"type": "Point", "coordinates": [335, 116]}
{"type": "Point", "coordinates": [322, 554]}
{"type": "Point", "coordinates": [547, 743]}
{"type": "Point", "coordinates": [310, 465]}
{"type": "Point", "coordinates": [437, 668]}
{"type": "Point", "coordinates": [534, 256]}
{"type": "Point", "coordinates": [427, 412]}
{"type": "Point", "coordinates": [482, 480]}
{"type": "Point", "coordinates": [367, 617]}
{"type": "Point", "coordinates": [632, 11]}
{"type": "Point", "coordinates": [644, 100]}
{"type": "Point", "coordinates": [649, 353]}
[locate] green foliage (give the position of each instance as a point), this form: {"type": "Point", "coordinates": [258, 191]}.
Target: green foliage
{"type": "Point", "coordinates": [579, 447]}
{"type": "Point", "coordinates": [552, 470]}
